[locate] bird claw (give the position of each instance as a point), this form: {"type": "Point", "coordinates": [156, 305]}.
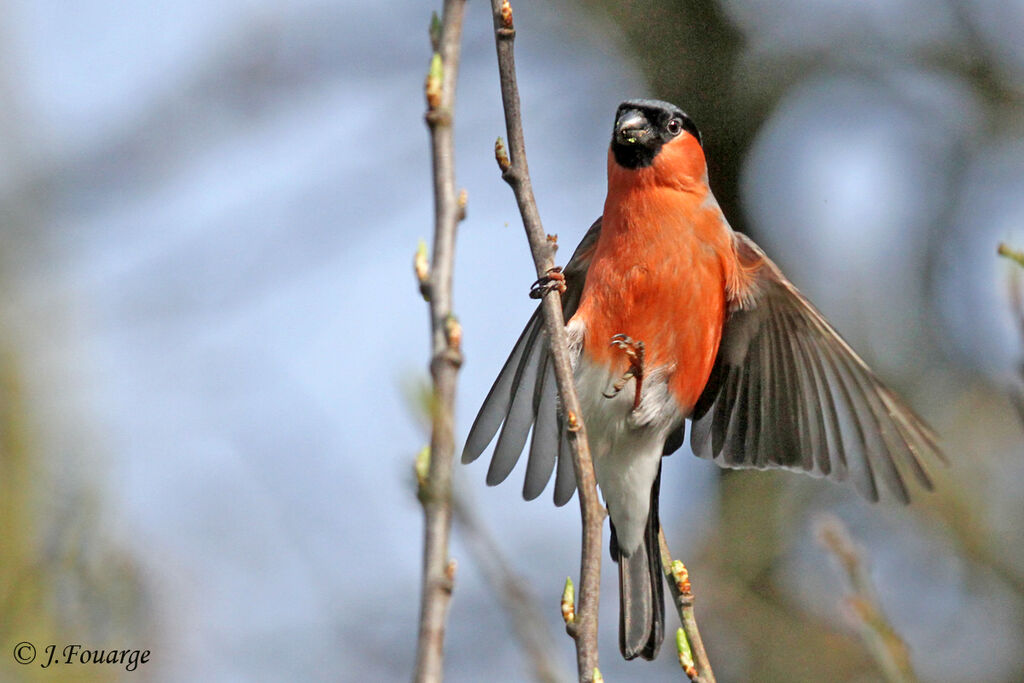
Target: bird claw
{"type": "Point", "coordinates": [617, 387]}
{"type": "Point", "coordinates": [553, 279]}
{"type": "Point", "coordinates": [634, 351]}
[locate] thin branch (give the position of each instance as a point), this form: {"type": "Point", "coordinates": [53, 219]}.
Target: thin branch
{"type": "Point", "coordinates": [446, 356]}
{"type": "Point", "coordinates": [1010, 253]}
{"type": "Point", "coordinates": [689, 642]}
{"type": "Point", "coordinates": [882, 641]}
{"type": "Point", "coordinates": [515, 596]}
{"type": "Point", "coordinates": [1017, 302]}
{"type": "Point", "coordinates": [516, 173]}
{"type": "Point", "coordinates": [1017, 306]}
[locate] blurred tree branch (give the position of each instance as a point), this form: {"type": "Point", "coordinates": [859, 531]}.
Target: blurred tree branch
{"type": "Point", "coordinates": [1012, 254]}
{"type": "Point", "coordinates": [63, 576]}
{"type": "Point", "coordinates": [446, 356]}
{"type": "Point", "coordinates": [516, 173]}
{"type": "Point", "coordinates": [1017, 303]}
{"type": "Point", "coordinates": [513, 593]}
{"type": "Point", "coordinates": [779, 639]}
{"type": "Point", "coordinates": [881, 639]}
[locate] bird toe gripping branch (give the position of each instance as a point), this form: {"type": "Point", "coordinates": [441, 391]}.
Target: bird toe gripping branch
{"type": "Point", "coordinates": [634, 351]}
{"type": "Point", "coordinates": [552, 280]}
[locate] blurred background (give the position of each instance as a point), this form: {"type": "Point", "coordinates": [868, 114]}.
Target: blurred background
{"type": "Point", "coordinates": [211, 338]}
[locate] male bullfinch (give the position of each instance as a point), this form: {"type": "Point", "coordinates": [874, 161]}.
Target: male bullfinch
{"type": "Point", "coordinates": [671, 315]}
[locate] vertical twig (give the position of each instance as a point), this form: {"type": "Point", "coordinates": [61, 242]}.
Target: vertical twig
{"type": "Point", "coordinates": [696, 665]}
{"type": "Point", "coordinates": [515, 172]}
{"type": "Point", "coordinates": [883, 642]}
{"type": "Point", "coordinates": [446, 356]}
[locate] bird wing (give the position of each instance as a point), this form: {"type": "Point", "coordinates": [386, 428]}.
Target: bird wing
{"type": "Point", "coordinates": [787, 392]}
{"type": "Point", "coordinates": [525, 394]}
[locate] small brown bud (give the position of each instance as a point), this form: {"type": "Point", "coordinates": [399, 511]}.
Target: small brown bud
{"type": "Point", "coordinates": [435, 77]}
{"type": "Point", "coordinates": [681, 576]}
{"type": "Point", "coordinates": [422, 466]}
{"type": "Point", "coordinates": [568, 602]}
{"type": "Point", "coordinates": [421, 266]}
{"type": "Point", "coordinates": [501, 155]}
{"type": "Point", "coordinates": [685, 654]}
{"type": "Point", "coordinates": [506, 14]}
{"type": "Point", "coordinates": [453, 330]}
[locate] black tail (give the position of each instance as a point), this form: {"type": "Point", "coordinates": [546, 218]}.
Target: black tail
{"type": "Point", "coordinates": [641, 593]}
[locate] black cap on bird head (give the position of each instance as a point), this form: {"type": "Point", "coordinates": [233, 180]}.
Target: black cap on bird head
{"type": "Point", "coordinates": [643, 127]}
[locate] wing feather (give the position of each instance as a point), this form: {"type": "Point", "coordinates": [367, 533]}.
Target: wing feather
{"type": "Point", "coordinates": [787, 392]}
{"type": "Point", "coordinates": [565, 477]}
{"type": "Point", "coordinates": [520, 414]}
{"type": "Point", "coordinates": [495, 406]}
{"type": "Point", "coordinates": [524, 400]}
{"type": "Point", "coordinates": [544, 445]}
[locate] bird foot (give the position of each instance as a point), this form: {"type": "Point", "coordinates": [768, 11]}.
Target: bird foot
{"type": "Point", "coordinates": [634, 351]}
{"type": "Point", "coordinates": [553, 279]}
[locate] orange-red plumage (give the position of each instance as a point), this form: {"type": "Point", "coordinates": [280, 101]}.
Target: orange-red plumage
{"type": "Point", "coordinates": [660, 269]}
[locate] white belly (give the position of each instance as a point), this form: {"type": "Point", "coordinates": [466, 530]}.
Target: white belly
{"type": "Point", "coordinates": [625, 444]}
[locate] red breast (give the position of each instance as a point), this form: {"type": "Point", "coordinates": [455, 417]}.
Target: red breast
{"type": "Point", "coordinates": [660, 269]}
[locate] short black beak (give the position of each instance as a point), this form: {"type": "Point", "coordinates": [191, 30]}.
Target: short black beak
{"type": "Point", "coordinates": [632, 128]}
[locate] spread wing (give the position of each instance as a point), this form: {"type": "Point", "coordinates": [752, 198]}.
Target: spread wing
{"type": "Point", "coordinates": [787, 392]}
{"type": "Point", "coordinates": [525, 394]}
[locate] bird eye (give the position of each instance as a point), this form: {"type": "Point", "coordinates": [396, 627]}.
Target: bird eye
{"type": "Point", "coordinates": [675, 126]}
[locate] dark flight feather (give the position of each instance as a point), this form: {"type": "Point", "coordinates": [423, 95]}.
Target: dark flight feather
{"type": "Point", "coordinates": [525, 395]}
{"type": "Point", "coordinates": [787, 391]}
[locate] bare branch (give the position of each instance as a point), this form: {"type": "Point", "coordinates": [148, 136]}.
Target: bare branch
{"type": "Point", "coordinates": [881, 639]}
{"type": "Point", "coordinates": [515, 596]}
{"type": "Point", "coordinates": [516, 173]}
{"type": "Point", "coordinates": [446, 356]}
{"type": "Point", "coordinates": [697, 665]}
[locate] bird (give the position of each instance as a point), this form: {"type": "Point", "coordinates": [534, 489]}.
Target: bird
{"type": "Point", "coordinates": [672, 316]}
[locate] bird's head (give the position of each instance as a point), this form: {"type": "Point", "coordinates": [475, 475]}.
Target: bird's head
{"type": "Point", "coordinates": [657, 140]}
